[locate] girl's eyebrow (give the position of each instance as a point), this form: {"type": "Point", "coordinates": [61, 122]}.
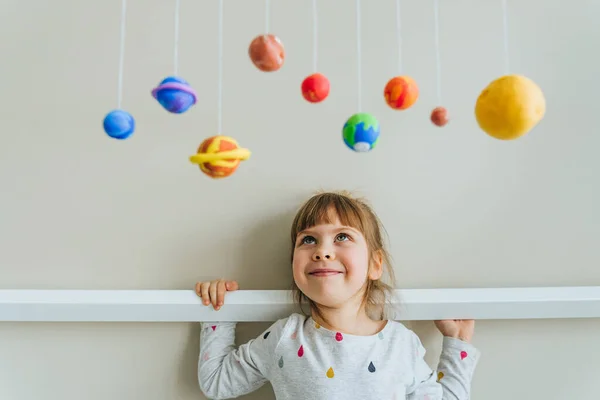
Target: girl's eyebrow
{"type": "Point", "coordinates": [336, 228]}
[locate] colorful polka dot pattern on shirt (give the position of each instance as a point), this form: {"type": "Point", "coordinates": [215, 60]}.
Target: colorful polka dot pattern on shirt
{"type": "Point", "coordinates": [339, 337]}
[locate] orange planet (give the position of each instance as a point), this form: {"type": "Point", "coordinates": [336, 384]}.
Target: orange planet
{"type": "Point", "coordinates": [219, 156]}
{"type": "Point", "coordinates": [401, 92]}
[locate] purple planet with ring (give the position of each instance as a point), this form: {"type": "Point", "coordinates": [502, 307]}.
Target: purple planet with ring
{"type": "Point", "coordinates": [175, 95]}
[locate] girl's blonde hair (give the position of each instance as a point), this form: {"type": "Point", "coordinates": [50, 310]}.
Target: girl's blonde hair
{"type": "Point", "coordinates": [356, 213]}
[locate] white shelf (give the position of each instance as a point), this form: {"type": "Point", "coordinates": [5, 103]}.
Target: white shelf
{"type": "Point", "coordinates": [269, 305]}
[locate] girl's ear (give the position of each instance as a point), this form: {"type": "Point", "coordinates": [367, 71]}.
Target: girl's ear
{"type": "Point", "coordinates": [376, 267]}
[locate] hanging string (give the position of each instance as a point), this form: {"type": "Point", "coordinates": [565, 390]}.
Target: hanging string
{"type": "Point", "coordinates": [314, 9]}
{"type": "Point", "coordinates": [220, 68]}
{"type": "Point", "coordinates": [267, 15]}
{"type": "Point", "coordinates": [506, 55]}
{"type": "Point", "coordinates": [437, 50]}
{"type": "Point", "coordinates": [358, 55]}
{"type": "Point", "coordinates": [121, 54]}
{"type": "Point", "coordinates": [176, 49]}
{"type": "Point", "coordinates": [399, 36]}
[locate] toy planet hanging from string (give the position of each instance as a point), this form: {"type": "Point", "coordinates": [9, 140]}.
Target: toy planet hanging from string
{"type": "Point", "coordinates": [315, 88]}
{"type": "Point", "coordinates": [175, 95]}
{"type": "Point", "coordinates": [267, 53]}
{"type": "Point", "coordinates": [219, 156]}
{"type": "Point", "coordinates": [361, 132]}
{"type": "Point", "coordinates": [439, 116]}
{"type": "Point", "coordinates": [119, 124]}
{"type": "Point", "coordinates": [509, 107]}
{"type": "Point", "coordinates": [401, 92]}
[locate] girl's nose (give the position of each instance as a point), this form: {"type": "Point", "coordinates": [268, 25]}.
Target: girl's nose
{"type": "Point", "coordinates": [321, 255]}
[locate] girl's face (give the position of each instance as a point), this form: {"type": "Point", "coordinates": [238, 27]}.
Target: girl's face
{"type": "Point", "coordinates": [331, 263]}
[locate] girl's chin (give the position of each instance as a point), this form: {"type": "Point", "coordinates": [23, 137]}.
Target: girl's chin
{"type": "Point", "coordinates": [329, 297]}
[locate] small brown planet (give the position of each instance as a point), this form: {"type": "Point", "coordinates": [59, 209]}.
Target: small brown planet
{"type": "Point", "coordinates": [439, 116]}
{"type": "Point", "coordinates": [267, 53]}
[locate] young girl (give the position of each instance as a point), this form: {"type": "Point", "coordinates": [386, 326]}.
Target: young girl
{"type": "Point", "coordinates": [344, 348]}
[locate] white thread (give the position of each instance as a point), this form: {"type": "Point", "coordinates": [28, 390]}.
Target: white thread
{"type": "Point", "coordinates": [437, 51]}
{"type": "Point", "coordinates": [121, 54]}
{"type": "Point", "coordinates": [314, 9]}
{"type": "Point", "coordinates": [220, 68]}
{"type": "Point", "coordinates": [506, 55]}
{"type": "Point", "coordinates": [176, 46]}
{"type": "Point", "coordinates": [399, 35]}
{"type": "Point", "coordinates": [267, 15]}
{"type": "Point", "coordinates": [358, 55]}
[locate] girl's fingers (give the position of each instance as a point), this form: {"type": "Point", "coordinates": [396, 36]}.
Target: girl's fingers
{"type": "Point", "coordinates": [214, 292]}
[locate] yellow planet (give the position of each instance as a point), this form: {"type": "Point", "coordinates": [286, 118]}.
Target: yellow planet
{"type": "Point", "coordinates": [509, 107]}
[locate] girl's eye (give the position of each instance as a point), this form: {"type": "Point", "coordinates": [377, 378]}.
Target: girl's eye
{"type": "Point", "coordinates": [342, 237]}
{"type": "Point", "coordinates": [308, 240]}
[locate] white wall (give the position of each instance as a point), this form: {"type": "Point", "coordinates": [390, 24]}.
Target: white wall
{"type": "Point", "coordinates": [80, 210]}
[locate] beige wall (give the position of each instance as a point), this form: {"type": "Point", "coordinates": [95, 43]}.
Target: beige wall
{"type": "Point", "coordinates": [79, 210]}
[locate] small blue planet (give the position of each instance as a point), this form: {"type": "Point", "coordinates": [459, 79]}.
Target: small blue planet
{"type": "Point", "coordinates": [119, 124]}
{"type": "Point", "coordinates": [175, 95]}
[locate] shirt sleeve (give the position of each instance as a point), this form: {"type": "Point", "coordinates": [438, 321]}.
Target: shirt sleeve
{"type": "Point", "coordinates": [226, 372]}
{"type": "Point", "coordinates": [452, 380]}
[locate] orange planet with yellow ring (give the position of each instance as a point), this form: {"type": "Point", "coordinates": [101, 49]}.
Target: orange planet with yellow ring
{"type": "Point", "coordinates": [219, 156]}
{"type": "Point", "coordinates": [401, 92]}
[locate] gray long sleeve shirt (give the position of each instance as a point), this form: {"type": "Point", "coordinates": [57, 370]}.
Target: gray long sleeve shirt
{"type": "Point", "coordinates": [303, 361]}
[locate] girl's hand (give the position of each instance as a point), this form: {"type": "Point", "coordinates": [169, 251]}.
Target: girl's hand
{"type": "Point", "coordinates": [462, 329]}
{"type": "Point", "coordinates": [214, 291]}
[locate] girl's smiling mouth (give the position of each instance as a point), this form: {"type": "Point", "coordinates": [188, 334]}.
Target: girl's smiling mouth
{"type": "Point", "coordinates": [324, 272]}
